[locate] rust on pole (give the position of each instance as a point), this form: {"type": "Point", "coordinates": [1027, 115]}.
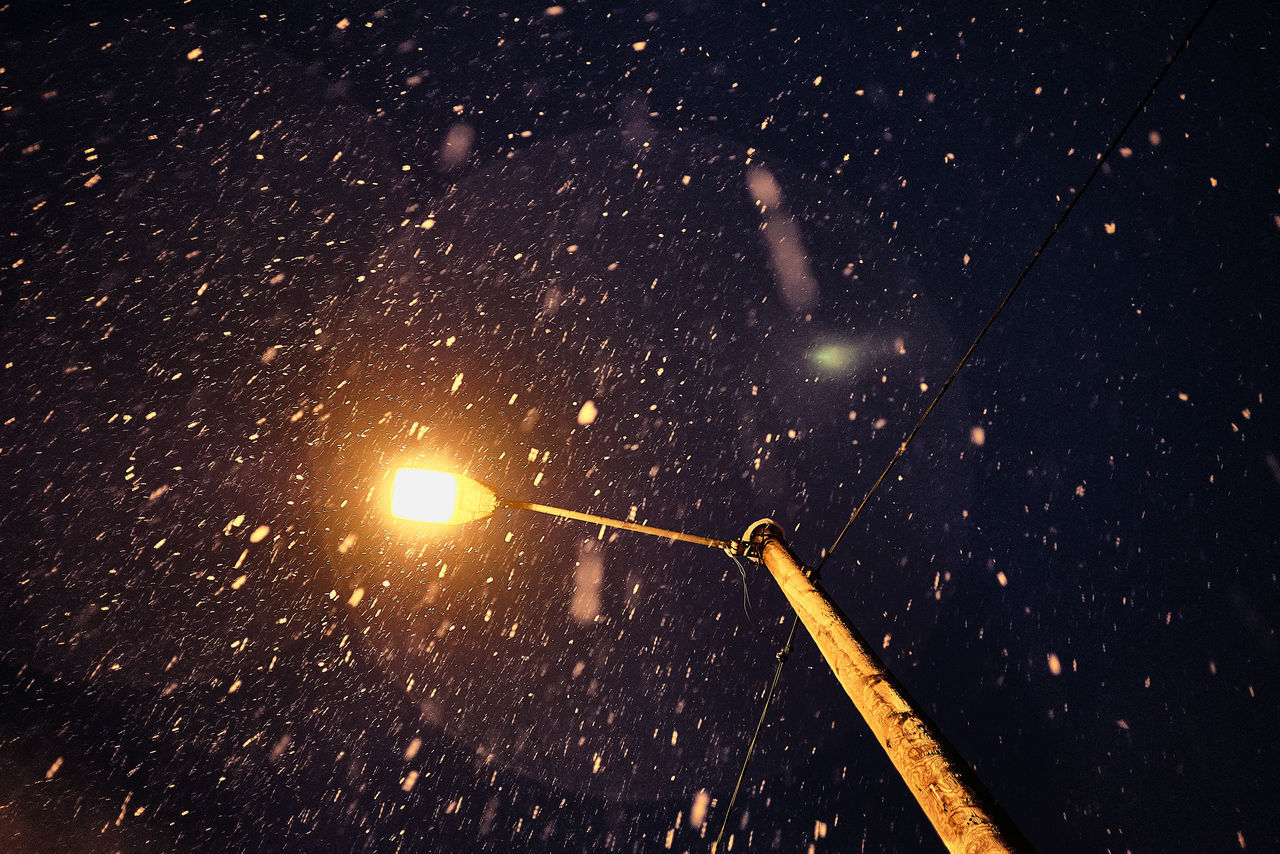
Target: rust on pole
{"type": "Point", "coordinates": [963, 815]}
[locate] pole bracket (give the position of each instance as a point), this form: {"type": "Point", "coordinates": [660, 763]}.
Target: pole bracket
{"type": "Point", "coordinates": [757, 534]}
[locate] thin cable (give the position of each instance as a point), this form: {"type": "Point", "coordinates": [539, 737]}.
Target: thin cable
{"type": "Point", "coordinates": [782, 656]}
{"type": "Point", "coordinates": [785, 653]}
{"type": "Point", "coordinates": [1075, 199]}
{"type": "Point", "coordinates": [746, 594]}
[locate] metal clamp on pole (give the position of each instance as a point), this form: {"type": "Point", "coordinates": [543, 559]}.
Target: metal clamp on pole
{"type": "Point", "coordinates": [963, 814]}
{"type": "Point", "coordinates": [742, 548]}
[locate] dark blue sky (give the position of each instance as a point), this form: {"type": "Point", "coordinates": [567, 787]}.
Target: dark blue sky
{"type": "Point", "coordinates": [675, 262]}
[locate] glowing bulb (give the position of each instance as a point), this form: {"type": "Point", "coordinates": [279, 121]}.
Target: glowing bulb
{"type": "Point", "coordinates": [421, 495]}
{"type": "Point", "coordinates": [424, 496]}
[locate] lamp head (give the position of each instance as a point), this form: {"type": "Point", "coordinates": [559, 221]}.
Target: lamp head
{"type": "Point", "coordinates": [422, 495]}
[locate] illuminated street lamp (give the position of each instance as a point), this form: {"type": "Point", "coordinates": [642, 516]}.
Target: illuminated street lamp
{"type": "Point", "coordinates": [423, 495]}
{"type": "Point", "coordinates": [964, 816]}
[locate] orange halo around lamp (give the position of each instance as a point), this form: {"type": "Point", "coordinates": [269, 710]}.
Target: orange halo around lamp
{"type": "Point", "coordinates": [422, 495]}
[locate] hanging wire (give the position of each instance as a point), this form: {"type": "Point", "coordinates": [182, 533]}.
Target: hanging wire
{"type": "Point", "coordinates": [782, 656]}
{"type": "Point", "coordinates": [746, 593]}
{"type": "Point", "coordinates": [1075, 199]}
{"type": "Point", "coordinates": [784, 653]}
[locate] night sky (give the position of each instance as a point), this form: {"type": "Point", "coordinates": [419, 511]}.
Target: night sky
{"type": "Point", "coordinates": [680, 263]}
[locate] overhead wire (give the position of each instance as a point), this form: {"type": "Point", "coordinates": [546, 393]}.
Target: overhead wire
{"type": "Point", "coordinates": [784, 653]}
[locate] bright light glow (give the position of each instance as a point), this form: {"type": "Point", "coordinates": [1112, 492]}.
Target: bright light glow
{"type": "Point", "coordinates": [419, 495]}
{"type": "Point", "coordinates": [422, 495]}
{"type": "Point", "coordinates": [836, 357]}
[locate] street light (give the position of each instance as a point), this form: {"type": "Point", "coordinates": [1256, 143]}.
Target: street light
{"type": "Point", "coordinates": [962, 813]}
{"type": "Point", "coordinates": [424, 495]}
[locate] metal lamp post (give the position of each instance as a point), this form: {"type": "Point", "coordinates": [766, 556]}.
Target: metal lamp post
{"type": "Point", "coordinates": [963, 814]}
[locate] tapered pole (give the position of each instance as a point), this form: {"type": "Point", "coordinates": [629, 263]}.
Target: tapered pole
{"type": "Point", "coordinates": [961, 812]}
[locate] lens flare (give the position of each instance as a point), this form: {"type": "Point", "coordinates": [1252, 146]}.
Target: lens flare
{"type": "Point", "coordinates": [835, 357]}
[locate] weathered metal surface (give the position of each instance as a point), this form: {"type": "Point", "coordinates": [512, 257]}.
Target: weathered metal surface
{"type": "Point", "coordinates": [963, 816]}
